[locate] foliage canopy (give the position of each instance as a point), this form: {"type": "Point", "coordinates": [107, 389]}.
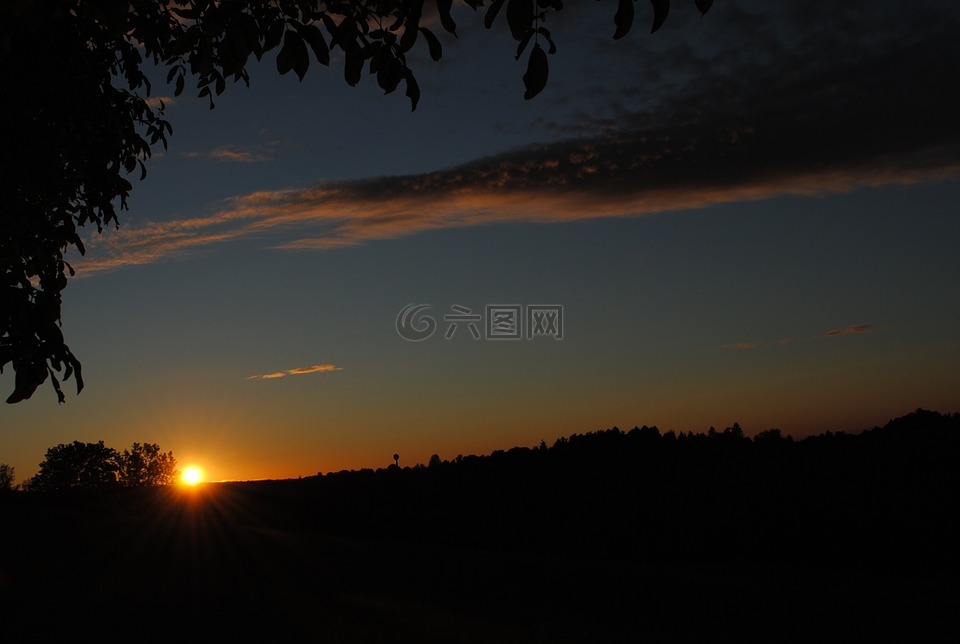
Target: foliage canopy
{"type": "Point", "coordinates": [77, 466]}
{"type": "Point", "coordinates": [144, 464]}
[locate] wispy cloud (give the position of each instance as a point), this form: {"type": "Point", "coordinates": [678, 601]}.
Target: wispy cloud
{"type": "Point", "coordinates": [235, 154]}
{"type": "Point", "coordinates": [816, 106]}
{"type": "Point", "coordinates": [856, 328]}
{"type": "Point", "coordinates": [852, 329]}
{"type": "Point", "coordinates": [317, 368]}
{"type": "Point", "coordinates": [298, 371]}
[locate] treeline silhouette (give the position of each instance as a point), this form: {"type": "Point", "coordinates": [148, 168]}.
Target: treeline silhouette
{"type": "Point", "coordinates": [883, 497]}
{"type": "Point", "coordinates": [95, 466]}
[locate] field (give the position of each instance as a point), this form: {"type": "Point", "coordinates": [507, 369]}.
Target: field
{"type": "Point", "coordinates": [249, 561]}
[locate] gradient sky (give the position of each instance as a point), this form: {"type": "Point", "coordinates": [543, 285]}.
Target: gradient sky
{"type": "Point", "coordinates": [750, 217]}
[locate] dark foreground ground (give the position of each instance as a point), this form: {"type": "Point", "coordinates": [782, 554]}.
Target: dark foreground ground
{"type": "Point", "coordinates": [236, 561]}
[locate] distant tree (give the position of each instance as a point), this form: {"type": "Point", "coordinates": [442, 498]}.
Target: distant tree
{"type": "Point", "coordinates": [647, 435]}
{"type": "Point", "coordinates": [77, 466]}
{"type": "Point", "coordinates": [729, 434]}
{"type": "Point", "coordinates": [145, 465]}
{"type": "Point", "coordinates": [75, 119]}
{"type": "Point", "coordinates": [735, 432]}
{"type": "Point", "coordinates": [435, 461]}
{"type": "Point", "coordinates": [771, 437]}
{"type": "Point", "coordinates": [7, 477]}
{"type": "Point", "coordinates": [396, 459]}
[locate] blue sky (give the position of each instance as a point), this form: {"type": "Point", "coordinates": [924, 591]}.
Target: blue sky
{"type": "Point", "coordinates": [747, 217]}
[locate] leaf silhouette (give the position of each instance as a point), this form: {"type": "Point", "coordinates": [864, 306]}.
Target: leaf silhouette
{"type": "Point", "coordinates": [492, 12]}
{"type": "Point", "coordinates": [436, 50]}
{"type": "Point", "coordinates": [537, 70]}
{"type": "Point", "coordinates": [623, 19]}
{"type": "Point", "coordinates": [519, 17]}
{"type": "Point", "coordinates": [660, 10]}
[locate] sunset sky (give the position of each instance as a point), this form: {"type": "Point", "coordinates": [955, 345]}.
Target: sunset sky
{"type": "Point", "coordinates": [747, 217]}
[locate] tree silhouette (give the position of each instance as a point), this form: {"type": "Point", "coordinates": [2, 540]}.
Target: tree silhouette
{"type": "Point", "coordinates": [396, 460]}
{"type": "Point", "coordinates": [77, 466]}
{"type": "Point", "coordinates": [7, 477]}
{"type": "Point", "coordinates": [75, 120]}
{"type": "Point", "coordinates": [145, 465]}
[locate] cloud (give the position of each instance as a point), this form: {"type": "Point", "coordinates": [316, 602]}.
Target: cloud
{"type": "Point", "coordinates": [298, 371]}
{"type": "Point", "coordinates": [853, 328]}
{"type": "Point", "coordinates": [856, 328]}
{"type": "Point", "coordinates": [784, 100]}
{"type": "Point", "coordinates": [234, 154]}
{"type": "Point", "coordinates": [317, 368]}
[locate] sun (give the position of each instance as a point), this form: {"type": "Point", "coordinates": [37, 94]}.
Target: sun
{"type": "Point", "coordinates": [191, 475]}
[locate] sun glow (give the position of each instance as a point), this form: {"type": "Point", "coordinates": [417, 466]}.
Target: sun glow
{"type": "Point", "coordinates": [191, 475]}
